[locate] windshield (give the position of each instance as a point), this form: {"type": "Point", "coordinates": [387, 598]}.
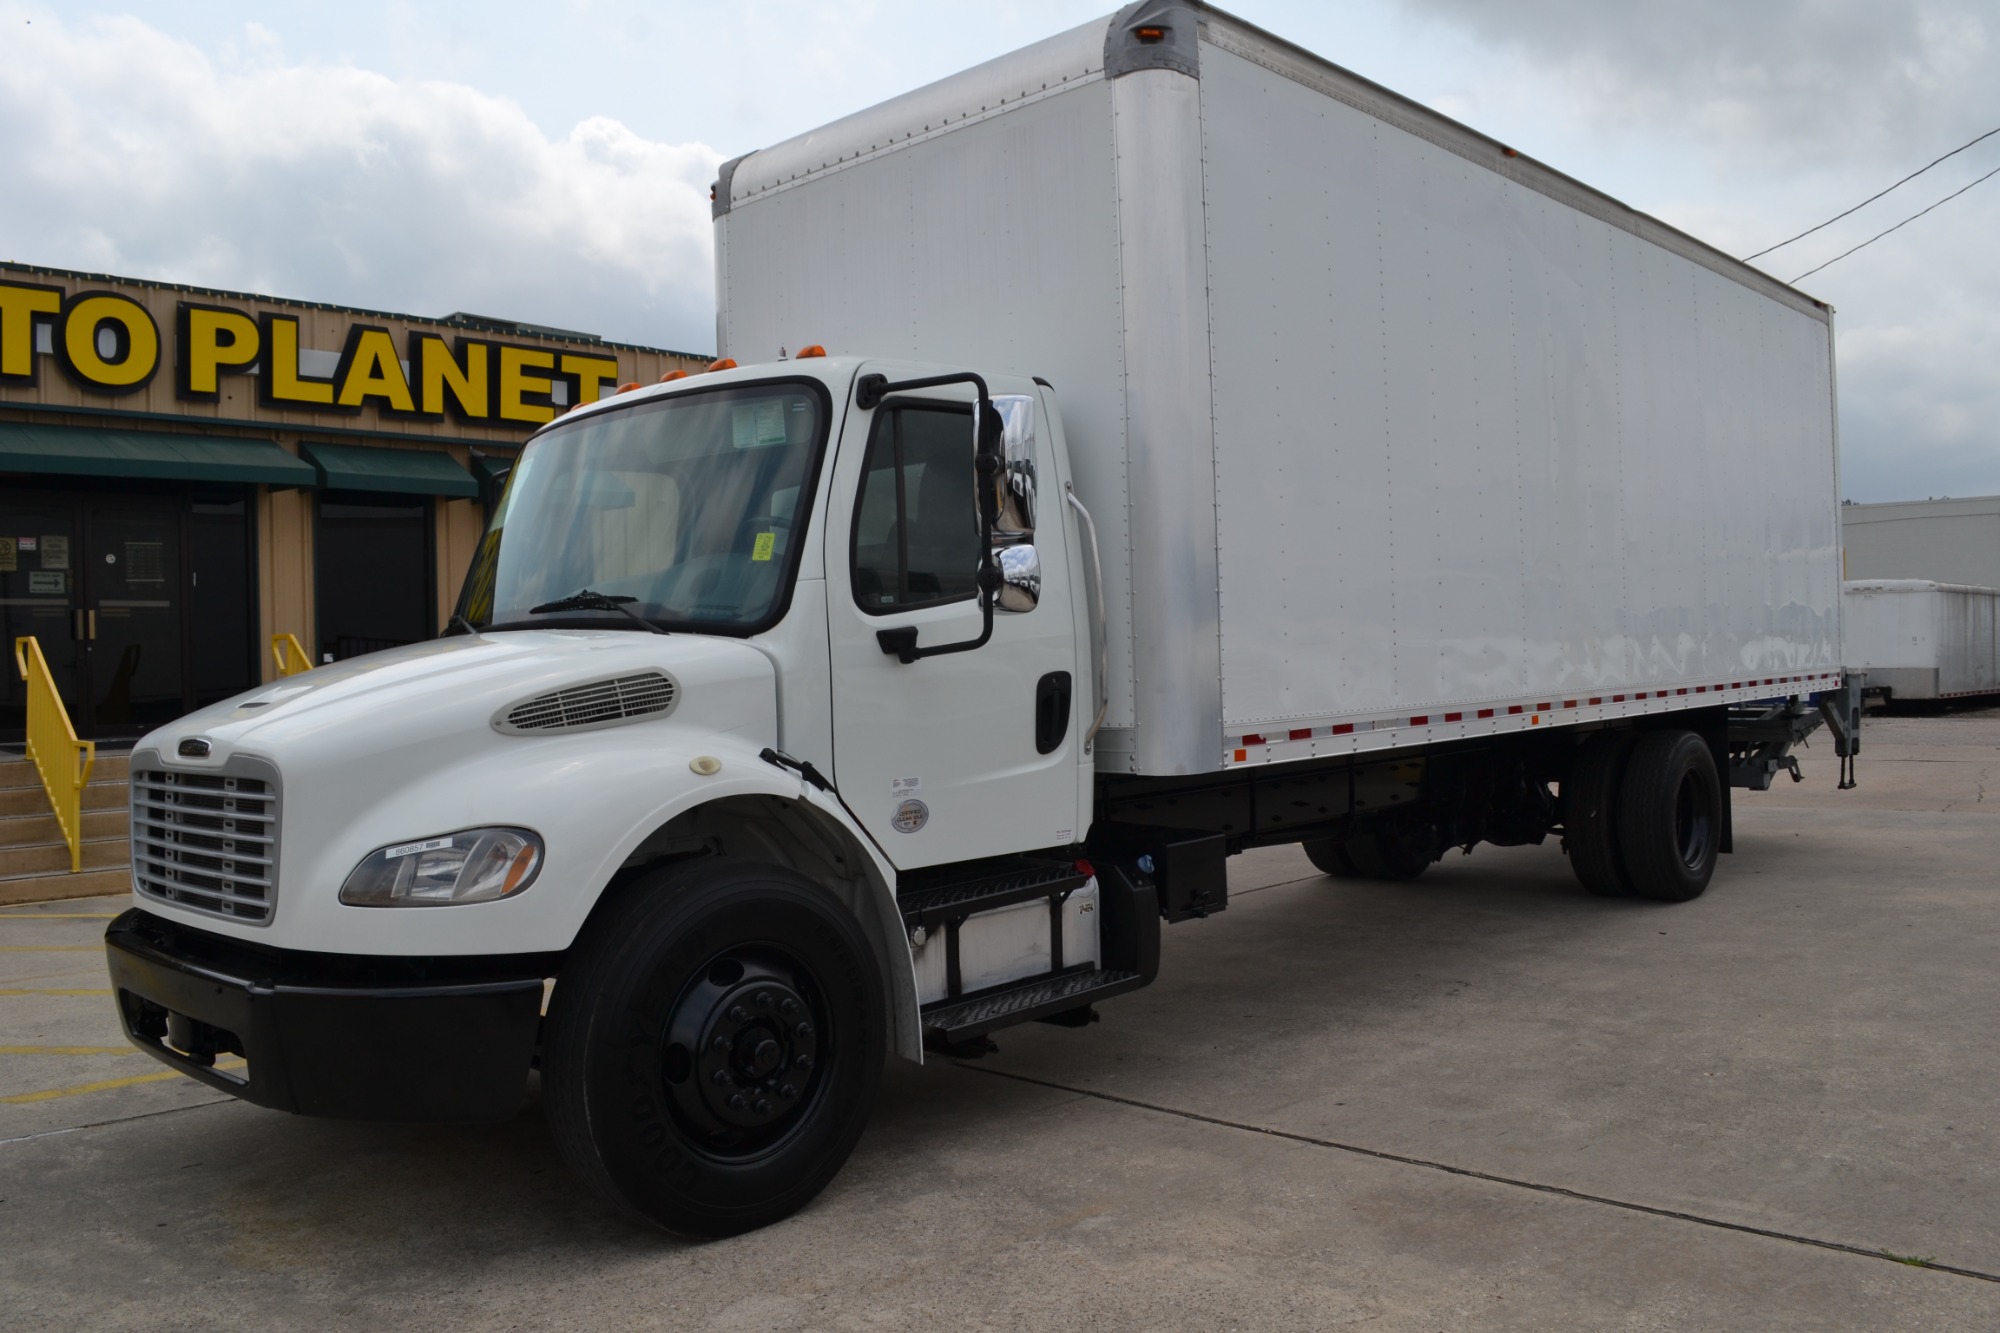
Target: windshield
{"type": "Point", "coordinates": [689, 505]}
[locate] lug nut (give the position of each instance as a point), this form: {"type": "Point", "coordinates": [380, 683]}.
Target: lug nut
{"type": "Point", "coordinates": [720, 1044]}
{"type": "Point", "coordinates": [738, 1014]}
{"type": "Point", "coordinates": [763, 999]}
{"type": "Point", "coordinates": [720, 1078]}
{"type": "Point", "coordinates": [788, 1091]}
{"type": "Point", "coordinates": [804, 1030]}
{"type": "Point", "coordinates": [736, 1102]}
{"type": "Point", "coordinates": [803, 1062]}
{"type": "Point", "coordinates": [788, 1006]}
{"type": "Point", "coordinates": [763, 1106]}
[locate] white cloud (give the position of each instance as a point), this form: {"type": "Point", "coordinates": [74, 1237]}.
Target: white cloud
{"type": "Point", "coordinates": [127, 151]}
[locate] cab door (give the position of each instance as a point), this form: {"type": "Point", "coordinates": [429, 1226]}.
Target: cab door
{"type": "Point", "coordinates": [964, 754]}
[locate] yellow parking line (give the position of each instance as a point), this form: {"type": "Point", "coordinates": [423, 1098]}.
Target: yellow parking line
{"type": "Point", "coordinates": [69, 1050]}
{"type": "Point", "coordinates": [20, 991]}
{"type": "Point", "coordinates": [104, 1085]}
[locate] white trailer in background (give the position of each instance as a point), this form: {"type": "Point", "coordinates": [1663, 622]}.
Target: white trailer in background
{"type": "Point", "coordinates": [1215, 451]}
{"type": "Point", "coordinates": [1919, 640]}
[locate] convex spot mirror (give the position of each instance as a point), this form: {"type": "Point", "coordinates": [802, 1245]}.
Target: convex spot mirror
{"type": "Point", "coordinates": [1014, 552]}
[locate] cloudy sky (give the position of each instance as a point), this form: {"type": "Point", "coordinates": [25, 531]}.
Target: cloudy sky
{"type": "Point", "coordinates": [551, 162]}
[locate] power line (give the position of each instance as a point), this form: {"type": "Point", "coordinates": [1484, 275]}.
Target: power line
{"type": "Point", "coordinates": [1904, 223]}
{"type": "Point", "coordinates": [1871, 198]}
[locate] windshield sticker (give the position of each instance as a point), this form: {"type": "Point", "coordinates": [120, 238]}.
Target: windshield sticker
{"type": "Point", "coordinates": [910, 816]}
{"type": "Point", "coordinates": [901, 787]}
{"type": "Point", "coordinates": [759, 424]}
{"type": "Point", "coordinates": [762, 550]}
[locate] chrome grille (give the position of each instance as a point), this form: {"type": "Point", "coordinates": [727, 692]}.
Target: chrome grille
{"type": "Point", "coordinates": [206, 841]}
{"type": "Point", "coordinates": [597, 704]}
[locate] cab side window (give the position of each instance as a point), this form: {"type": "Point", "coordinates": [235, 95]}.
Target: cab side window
{"type": "Point", "coordinates": [916, 524]}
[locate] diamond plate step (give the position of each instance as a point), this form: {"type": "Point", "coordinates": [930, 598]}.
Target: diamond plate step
{"type": "Point", "coordinates": [958, 1020]}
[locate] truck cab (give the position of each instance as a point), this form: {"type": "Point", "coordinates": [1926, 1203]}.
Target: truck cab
{"type": "Point", "coordinates": [810, 641]}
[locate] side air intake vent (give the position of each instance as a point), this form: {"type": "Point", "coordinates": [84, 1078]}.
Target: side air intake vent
{"type": "Point", "coordinates": [600, 703]}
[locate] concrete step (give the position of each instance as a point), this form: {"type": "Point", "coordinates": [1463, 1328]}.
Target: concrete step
{"type": "Point", "coordinates": [19, 830]}
{"type": "Point", "coordinates": [111, 766]}
{"type": "Point", "coordinates": [30, 799]}
{"type": "Point", "coordinates": [52, 858]}
{"type": "Point", "coordinates": [55, 888]}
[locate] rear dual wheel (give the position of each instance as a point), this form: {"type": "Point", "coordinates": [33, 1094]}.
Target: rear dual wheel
{"type": "Point", "coordinates": [1642, 816]}
{"type": "Point", "coordinates": [713, 1047]}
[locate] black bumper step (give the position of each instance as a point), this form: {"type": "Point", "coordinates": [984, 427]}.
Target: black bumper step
{"type": "Point", "coordinates": [1023, 1002]}
{"type": "Point", "coordinates": [931, 908]}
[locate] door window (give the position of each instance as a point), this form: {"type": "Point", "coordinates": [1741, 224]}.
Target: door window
{"type": "Point", "coordinates": [916, 524]}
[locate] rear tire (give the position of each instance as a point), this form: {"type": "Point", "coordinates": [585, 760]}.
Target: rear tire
{"type": "Point", "coordinates": [1670, 816]}
{"type": "Point", "coordinates": [713, 1047]}
{"type": "Point", "coordinates": [1590, 806]}
{"type": "Point", "coordinates": [1329, 857]}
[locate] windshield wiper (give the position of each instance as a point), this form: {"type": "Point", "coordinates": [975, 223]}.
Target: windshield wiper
{"type": "Point", "coordinates": [586, 600]}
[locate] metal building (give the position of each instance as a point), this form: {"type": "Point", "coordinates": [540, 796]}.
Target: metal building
{"type": "Point", "coordinates": [1943, 541]}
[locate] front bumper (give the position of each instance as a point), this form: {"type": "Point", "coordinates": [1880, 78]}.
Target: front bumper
{"type": "Point", "coordinates": [345, 1036]}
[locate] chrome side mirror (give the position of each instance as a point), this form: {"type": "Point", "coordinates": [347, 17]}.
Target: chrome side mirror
{"type": "Point", "coordinates": [1014, 484]}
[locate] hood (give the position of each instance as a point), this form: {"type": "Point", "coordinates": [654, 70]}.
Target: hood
{"type": "Point", "coordinates": [425, 692]}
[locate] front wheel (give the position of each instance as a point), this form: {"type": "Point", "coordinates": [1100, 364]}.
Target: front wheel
{"type": "Point", "coordinates": [713, 1047]}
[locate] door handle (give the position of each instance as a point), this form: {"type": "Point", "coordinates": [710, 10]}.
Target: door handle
{"type": "Point", "coordinates": [91, 615]}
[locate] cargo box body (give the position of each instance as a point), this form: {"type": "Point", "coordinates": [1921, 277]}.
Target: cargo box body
{"type": "Point", "coordinates": [1392, 435]}
{"type": "Point", "coordinates": [1917, 639]}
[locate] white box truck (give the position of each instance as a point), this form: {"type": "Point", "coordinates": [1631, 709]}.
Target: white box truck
{"type": "Point", "coordinates": [1919, 641]}
{"type": "Point", "coordinates": [1215, 451]}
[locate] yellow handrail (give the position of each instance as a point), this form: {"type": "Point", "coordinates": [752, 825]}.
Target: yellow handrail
{"type": "Point", "coordinates": [289, 654]}
{"type": "Point", "coordinates": [62, 761]}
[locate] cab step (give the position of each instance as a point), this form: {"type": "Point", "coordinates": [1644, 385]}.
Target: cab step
{"type": "Point", "coordinates": [950, 1022]}
{"type": "Point", "coordinates": [932, 907]}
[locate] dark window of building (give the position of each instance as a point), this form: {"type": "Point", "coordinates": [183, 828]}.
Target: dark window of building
{"type": "Point", "coordinates": [373, 560]}
{"type": "Point", "coordinates": [916, 523]}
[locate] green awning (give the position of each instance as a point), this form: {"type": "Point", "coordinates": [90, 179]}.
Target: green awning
{"type": "Point", "coordinates": [79, 451]}
{"type": "Point", "coordinates": [353, 467]}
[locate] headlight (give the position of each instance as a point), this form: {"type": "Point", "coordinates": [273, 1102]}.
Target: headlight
{"type": "Point", "coordinates": [476, 865]}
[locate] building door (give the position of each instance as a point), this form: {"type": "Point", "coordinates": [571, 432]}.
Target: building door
{"type": "Point", "coordinates": [133, 614]}
{"type": "Point", "coordinates": [140, 604]}
{"type": "Point", "coordinates": [374, 587]}
{"type": "Point", "coordinates": [39, 553]}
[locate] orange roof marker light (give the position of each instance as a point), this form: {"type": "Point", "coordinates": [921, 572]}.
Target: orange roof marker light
{"type": "Point", "coordinates": [810, 349]}
{"type": "Point", "coordinates": [627, 388]}
{"type": "Point", "coordinates": [723, 363]}
{"type": "Point", "coordinates": [673, 375]}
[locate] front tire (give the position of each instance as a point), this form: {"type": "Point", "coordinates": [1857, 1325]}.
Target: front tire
{"type": "Point", "coordinates": [714, 1046]}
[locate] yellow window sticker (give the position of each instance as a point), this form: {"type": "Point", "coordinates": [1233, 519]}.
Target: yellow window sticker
{"type": "Point", "coordinates": [762, 550]}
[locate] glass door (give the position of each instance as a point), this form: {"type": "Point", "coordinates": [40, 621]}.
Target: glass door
{"type": "Point", "coordinates": [39, 598]}
{"type": "Point", "coordinates": [132, 617]}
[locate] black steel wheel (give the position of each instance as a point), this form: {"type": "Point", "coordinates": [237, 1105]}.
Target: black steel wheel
{"type": "Point", "coordinates": [1590, 812]}
{"type": "Point", "coordinates": [1670, 816]}
{"type": "Point", "coordinates": [713, 1046]}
